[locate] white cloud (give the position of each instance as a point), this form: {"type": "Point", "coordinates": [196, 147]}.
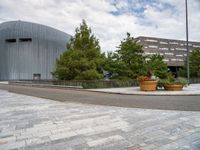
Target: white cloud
{"type": "Point", "coordinates": [108, 28]}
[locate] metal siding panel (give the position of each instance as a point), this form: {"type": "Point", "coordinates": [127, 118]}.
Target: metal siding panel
{"type": "Point", "coordinates": [21, 60]}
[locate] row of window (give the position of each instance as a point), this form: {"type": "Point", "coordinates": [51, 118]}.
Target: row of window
{"type": "Point", "coordinates": [172, 43]}
{"type": "Point", "coordinates": [20, 40]}
{"type": "Point", "coordinates": [176, 59]}
{"type": "Point", "coordinates": [167, 60]}
{"type": "Point", "coordinates": [169, 54]}
{"type": "Point", "coordinates": [166, 48]}
{"type": "Point", "coordinates": [173, 59]}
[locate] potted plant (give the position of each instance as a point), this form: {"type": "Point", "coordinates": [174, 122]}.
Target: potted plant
{"type": "Point", "coordinates": [148, 82]}
{"type": "Point", "coordinates": [173, 84]}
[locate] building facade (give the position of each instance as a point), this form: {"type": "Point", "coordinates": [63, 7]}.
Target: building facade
{"type": "Point", "coordinates": [29, 50]}
{"type": "Point", "coordinates": [174, 51]}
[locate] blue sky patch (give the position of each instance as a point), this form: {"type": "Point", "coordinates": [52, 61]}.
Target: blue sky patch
{"type": "Point", "coordinates": [137, 7]}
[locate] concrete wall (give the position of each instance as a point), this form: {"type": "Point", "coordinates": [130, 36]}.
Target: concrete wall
{"type": "Point", "coordinates": [28, 48]}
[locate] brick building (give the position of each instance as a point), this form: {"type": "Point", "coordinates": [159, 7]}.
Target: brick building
{"type": "Point", "coordinates": [174, 51]}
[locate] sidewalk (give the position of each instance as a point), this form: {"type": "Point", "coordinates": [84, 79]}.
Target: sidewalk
{"type": "Point", "coordinates": [193, 89]}
{"type": "Point", "coordinates": [32, 123]}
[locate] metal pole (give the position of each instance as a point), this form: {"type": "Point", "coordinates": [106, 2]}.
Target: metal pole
{"type": "Point", "coordinates": [188, 52]}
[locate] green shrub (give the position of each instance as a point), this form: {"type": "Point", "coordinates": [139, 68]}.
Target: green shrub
{"type": "Point", "coordinates": [172, 80]}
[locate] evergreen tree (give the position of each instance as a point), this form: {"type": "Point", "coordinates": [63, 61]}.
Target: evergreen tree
{"type": "Point", "coordinates": [83, 59]}
{"type": "Point", "coordinates": [128, 61]}
{"type": "Point", "coordinates": [128, 58]}
{"type": "Point", "coordinates": [194, 64]}
{"type": "Point", "coordinates": [157, 66]}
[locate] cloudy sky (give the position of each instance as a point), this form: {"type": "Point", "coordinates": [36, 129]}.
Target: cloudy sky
{"type": "Point", "coordinates": [109, 19]}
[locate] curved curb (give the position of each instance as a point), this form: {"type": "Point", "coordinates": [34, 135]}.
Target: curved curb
{"type": "Point", "coordinates": [156, 93]}
{"type": "Point", "coordinates": [148, 94]}
{"type": "Point", "coordinates": [132, 90]}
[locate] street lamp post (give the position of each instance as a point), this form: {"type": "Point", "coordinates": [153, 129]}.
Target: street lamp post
{"type": "Point", "coordinates": [188, 52]}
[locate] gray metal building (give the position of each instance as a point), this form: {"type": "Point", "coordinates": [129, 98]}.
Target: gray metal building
{"type": "Point", "coordinates": [29, 50]}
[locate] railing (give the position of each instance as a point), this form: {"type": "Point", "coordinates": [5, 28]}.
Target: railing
{"type": "Point", "coordinates": [86, 84]}
{"type": "Point", "coordinates": [194, 80]}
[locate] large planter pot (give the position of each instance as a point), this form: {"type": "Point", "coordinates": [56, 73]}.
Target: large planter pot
{"type": "Point", "coordinates": [148, 85]}
{"type": "Point", "coordinates": [173, 87]}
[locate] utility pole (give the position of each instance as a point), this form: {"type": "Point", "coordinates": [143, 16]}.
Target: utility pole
{"type": "Point", "coordinates": [187, 46]}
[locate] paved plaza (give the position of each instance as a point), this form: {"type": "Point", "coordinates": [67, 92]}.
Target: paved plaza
{"type": "Point", "coordinates": [192, 89]}
{"type": "Point", "coordinates": [34, 123]}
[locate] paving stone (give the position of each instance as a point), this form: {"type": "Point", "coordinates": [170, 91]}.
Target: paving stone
{"type": "Point", "coordinates": [6, 140]}
{"type": "Point", "coordinates": [14, 145]}
{"type": "Point", "coordinates": [149, 147]}
{"type": "Point", "coordinates": [104, 140]}
{"type": "Point", "coordinates": [62, 135]}
{"type": "Point", "coordinates": [31, 123]}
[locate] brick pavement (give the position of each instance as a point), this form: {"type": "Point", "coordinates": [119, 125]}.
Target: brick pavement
{"type": "Point", "coordinates": [34, 123]}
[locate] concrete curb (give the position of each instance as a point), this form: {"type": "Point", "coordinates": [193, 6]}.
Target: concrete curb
{"type": "Point", "coordinates": [147, 94]}
{"type": "Point", "coordinates": [160, 92]}
{"type": "Point", "coordinates": [106, 91]}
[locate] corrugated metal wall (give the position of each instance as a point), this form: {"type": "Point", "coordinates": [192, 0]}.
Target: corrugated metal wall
{"type": "Point", "coordinates": [22, 59]}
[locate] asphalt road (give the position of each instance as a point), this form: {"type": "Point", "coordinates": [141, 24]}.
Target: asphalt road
{"type": "Point", "coordinates": [186, 103]}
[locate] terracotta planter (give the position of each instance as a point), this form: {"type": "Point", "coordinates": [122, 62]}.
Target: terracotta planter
{"type": "Point", "coordinates": [148, 85]}
{"type": "Point", "coordinates": [173, 87]}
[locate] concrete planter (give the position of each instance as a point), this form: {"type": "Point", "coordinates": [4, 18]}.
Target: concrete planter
{"type": "Point", "coordinates": [173, 87]}
{"type": "Point", "coordinates": [148, 85]}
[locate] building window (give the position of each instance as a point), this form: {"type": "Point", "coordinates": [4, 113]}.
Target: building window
{"type": "Point", "coordinates": [180, 60]}
{"type": "Point", "coordinates": [150, 53]}
{"type": "Point", "coordinates": [162, 42]}
{"type": "Point", "coordinates": [173, 59]}
{"type": "Point", "coordinates": [189, 44]}
{"type": "Point", "coordinates": [11, 40]}
{"type": "Point", "coordinates": [151, 40]}
{"type": "Point", "coordinates": [175, 43]}
{"type": "Point", "coordinates": [25, 39]}
{"type": "Point", "coordinates": [179, 55]}
{"type": "Point", "coordinates": [153, 46]}
{"type": "Point", "coordinates": [181, 49]}
{"type": "Point", "coordinates": [169, 53]}
{"type": "Point", "coordinates": [196, 45]}
{"type": "Point", "coordinates": [164, 48]}
{"type": "Point", "coordinates": [166, 60]}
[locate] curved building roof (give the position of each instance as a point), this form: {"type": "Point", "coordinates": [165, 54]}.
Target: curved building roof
{"type": "Point", "coordinates": [15, 29]}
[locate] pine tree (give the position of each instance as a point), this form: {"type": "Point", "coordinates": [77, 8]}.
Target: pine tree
{"type": "Point", "coordinates": [157, 66]}
{"type": "Point", "coordinates": [83, 59]}
{"type": "Point", "coordinates": [128, 59]}
{"type": "Point", "coordinates": [194, 64]}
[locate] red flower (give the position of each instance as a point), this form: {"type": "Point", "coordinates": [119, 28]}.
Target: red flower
{"type": "Point", "coordinates": [143, 78]}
